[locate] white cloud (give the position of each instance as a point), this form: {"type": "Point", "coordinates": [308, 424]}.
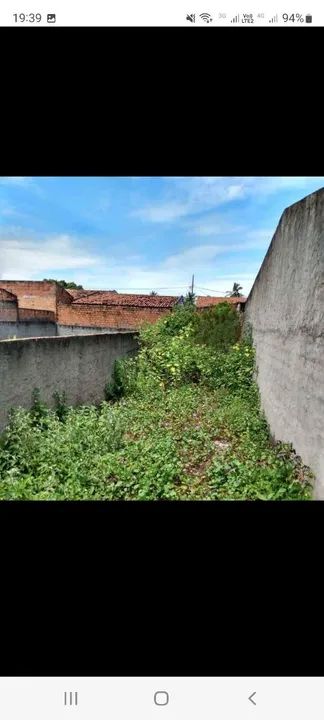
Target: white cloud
{"type": "Point", "coordinates": [212, 225]}
{"type": "Point", "coordinates": [201, 254]}
{"type": "Point", "coordinates": [175, 281]}
{"type": "Point", "coordinates": [166, 212]}
{"type": "Point", "coordinates": [216, 265]}
{"type": "Point", "coordinates": [27, 258]}
{"type": "Point", "coordinates": [189, 195]}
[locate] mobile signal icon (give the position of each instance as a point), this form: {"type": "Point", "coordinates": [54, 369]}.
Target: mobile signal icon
{"type": "Point", "coordinates": [274, 19]}
{"type": "Point", "coordinates": [236, 19]}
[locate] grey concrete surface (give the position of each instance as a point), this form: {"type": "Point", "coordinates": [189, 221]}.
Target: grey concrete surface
{"type": "Point", "coordinates": [83, 330]}
{"type": "Point", "coordinates": [285, 310]}
{"type": "Point", "coordinates": [8, 330]}
{"type": "Point", "coordinates": [78, 366]}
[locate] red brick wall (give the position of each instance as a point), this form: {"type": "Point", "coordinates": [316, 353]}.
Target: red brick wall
{"type": "Point", "coordinates": [62, 296]}
{"type": "Point", "coordinates": [32, 294]}
{"type": "Point", "coordinates": [30, 314]}
{"type": "Point", "coordinates": [108, 316]}
{"type": "Point", "coordinates": [6, 296]}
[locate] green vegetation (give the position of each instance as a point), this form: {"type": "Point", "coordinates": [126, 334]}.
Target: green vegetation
{"type": "Point", "coordinates": [181, 421]}
{"type": "Point", "coordinates": [235, 292]}
{"type": "Point", "coordinates": [64, 284]}
{"type": "Point", "coordinates": [190, 298]}
{"type": "Point", "coordinates": [218, 327]}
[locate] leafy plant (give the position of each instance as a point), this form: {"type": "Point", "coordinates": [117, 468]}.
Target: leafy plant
{"type": "Point", "coordinates": [64, 284]}
{"type": "Point", "coordinates": [39, 410]}
{"type": "Point", "coordinates": [181, 420]}
{"type": "Point", "coordinates": [60, 405]}
{"type": "Point", "coordinates": [218, 326]}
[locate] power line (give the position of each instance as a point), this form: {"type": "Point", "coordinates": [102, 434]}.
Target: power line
{"type": "Point", "coordinates": [222, 292]}
{"type": "Point", "coordinates": [149, 287]}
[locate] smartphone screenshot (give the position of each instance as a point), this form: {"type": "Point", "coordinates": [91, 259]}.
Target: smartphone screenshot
{"type": "Point", "coordinates": [161, 338]}
{"type": "Point", "coordinates": [232, 14]}
{"type": "Point", "coordinates": [171, 698]}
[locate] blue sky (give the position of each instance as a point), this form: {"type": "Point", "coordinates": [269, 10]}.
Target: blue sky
{"type": "Point", "coordinates": [142, 234]}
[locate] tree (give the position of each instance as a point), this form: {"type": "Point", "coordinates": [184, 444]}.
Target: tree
{"type": "Point", "coordinates": [190, 298]}
{"type": "Point", "coordinates": [64, 284]}
{"type": "Point", "coordinates": [153, 292]}
{"type": "Point", "coordinates": [235, 292]}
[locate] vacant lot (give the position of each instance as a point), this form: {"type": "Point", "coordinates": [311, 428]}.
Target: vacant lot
{"type": "Point", "coordinates": [181, 422]}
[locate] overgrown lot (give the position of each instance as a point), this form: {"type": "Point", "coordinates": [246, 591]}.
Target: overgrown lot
{"type": "Point", "coordinates": [181, 421]}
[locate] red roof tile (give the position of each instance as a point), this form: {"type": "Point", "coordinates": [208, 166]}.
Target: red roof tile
{"type": "Point", "coordinates": [209, 301]}
{"type": "Point", "coordinates": [80, 293]}
{"type": "Point", "coordinates": [106, 297]}
{"type": "Point", "coordinates": [75, 293]}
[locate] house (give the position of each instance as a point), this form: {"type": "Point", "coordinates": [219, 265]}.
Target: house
{"type": "Point", "coordinates": [47, 308]}
{"type": "Point", "coordinates": [72, 311]}
{"type": "Point", "coordinates": [112, 310]}
{"type": "Point", "coordinates": [208, 302]}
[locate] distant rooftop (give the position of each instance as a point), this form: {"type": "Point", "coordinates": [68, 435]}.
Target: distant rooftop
{"type": "Point", "coordinates": [209, 301]}
{"type": "Point", "coordinates": [111, 297]}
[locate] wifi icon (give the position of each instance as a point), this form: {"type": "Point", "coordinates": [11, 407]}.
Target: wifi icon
{"type": "Point", "coordinates": [206, 17]}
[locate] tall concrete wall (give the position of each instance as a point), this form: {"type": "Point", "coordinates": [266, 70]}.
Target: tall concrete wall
{"type": "Point", "coordinates": [9, 330]}
{"type": "Point", "coordinates": [83, 330]}
{"type": "Point", "coordinates": [286, 312]}
{"type": "Point", "coordinates": [78, 366]}
{"type": "Point", "coordinates": [12, 330]}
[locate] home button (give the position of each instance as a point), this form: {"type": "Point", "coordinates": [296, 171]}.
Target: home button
{"type": "Point", "coordinates": [161, 697]}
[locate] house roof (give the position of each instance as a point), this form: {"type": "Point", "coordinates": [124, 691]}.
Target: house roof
{"type": "Point", "coordinates": [109, 297]}
{"type": "Point", "coordinates": [203, 302]}
{"type": "Point", "coordinates": [75, 293]}
{"type": "Point", "coordinates": [80, 293]}
{"type": "Point", "coordinates": [7, 296]}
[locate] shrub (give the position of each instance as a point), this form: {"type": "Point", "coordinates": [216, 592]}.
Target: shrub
{"type": "Point", "coordinates": [182, 317]}
{"type": "Point", "coordinates": [39, 410]}
{"type": "Point", "coordinates": [187, 425]}
{"type": "Point", "coordinates": [123, 379]}
{"type": "Point", "coordinates": [218, 327]}
{"type": "Point", "coordinates": [61, 407]}
{"type": "Point", "coordinates": [234, 370]}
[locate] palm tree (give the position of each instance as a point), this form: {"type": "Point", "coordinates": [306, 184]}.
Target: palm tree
{"type": "Point", "coordinates": [235, 292]}
{"type": "Point", "coordinates": [153, 292]}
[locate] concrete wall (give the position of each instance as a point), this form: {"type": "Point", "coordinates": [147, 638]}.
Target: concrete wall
{"type": "Point", "coordinates": [78, 366]}
{"type": "Point", "coordinates": [8, 306]}
{"type": "Point", "coordinates": [9, 330]}
{"type": "Point", "coordinates": [8, 311]}
{"type": "Point", "coordinates": [83, 330]}
{"type": "Point", "coordinates": [286, 311]}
